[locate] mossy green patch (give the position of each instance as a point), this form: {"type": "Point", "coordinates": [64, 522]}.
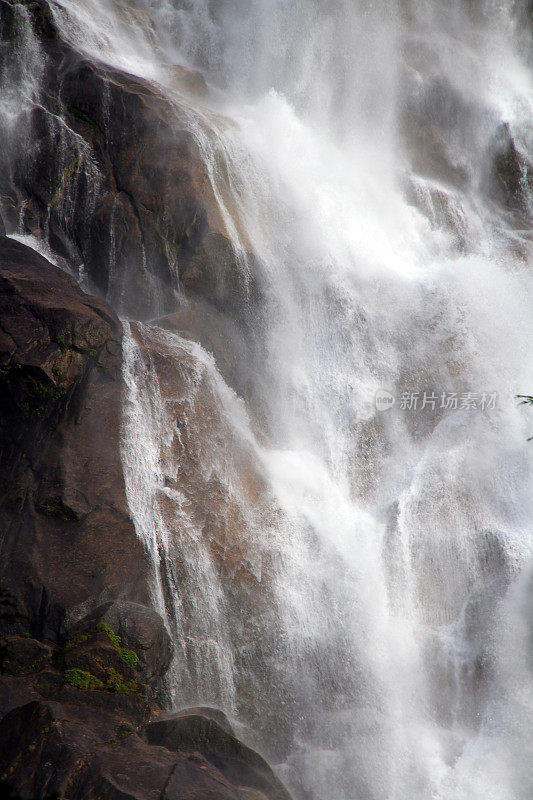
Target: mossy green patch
{"type": "Point", "coordinates": [82, 680]}
{"type": "Point", "coordinates": [115, 683]}
{"type": "Point", "coordinates": [81, 115]}
{"type": "Point", "coordinates": [129, 656]}
{"type": "Point", "coordinates": [86, 681]}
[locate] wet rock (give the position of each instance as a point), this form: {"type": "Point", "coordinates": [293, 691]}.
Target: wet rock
{"type": "Point", "coordinates": [511, 179]}
{"type": "Point", "coordinates": [219, 334]}
{"type": "Point", "coordinates": [82, 751]}
{"type": "Point", "coordinates": [65, 530]}
{"type": "Point", "coordinates": [97, 656]}
{"type": "Point", "coordinates": [431, 114]}
{"type": "Point", "coordinates": [15, 692]}
{"type": "Point", "coordinates": [214, 714]}
{"type": "Point", "coordinates": [106, 168]}
{"type": "Point", "coordinates": [140, 629]}
{"type": "Point", "coordinates": [239, 764]}
{"type": "Point", "coordinates": [190, 81]}
{"type": "Point", "coordinates": [25, 655]}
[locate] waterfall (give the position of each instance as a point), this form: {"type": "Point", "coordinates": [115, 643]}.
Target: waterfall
{"type": "Point", "coordinates": [334, 485]}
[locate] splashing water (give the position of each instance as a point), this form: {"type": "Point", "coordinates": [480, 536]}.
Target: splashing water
{"type": "Point", "coordinates": [353, 583]}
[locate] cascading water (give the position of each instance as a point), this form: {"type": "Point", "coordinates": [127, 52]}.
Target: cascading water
{"type": "Point", "coordinates": [351, 580]}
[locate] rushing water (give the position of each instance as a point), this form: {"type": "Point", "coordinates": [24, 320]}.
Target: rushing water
{"type": "Point", "coordinates": [382, 648]}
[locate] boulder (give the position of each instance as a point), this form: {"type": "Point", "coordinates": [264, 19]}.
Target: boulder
{"type": "Point", "coordinates": [80, 751]}
{"type": "Point", "coordinates": [511, 174]}
{"type": "Point", "coordinates": [215, 714]}
{"type": "Point", "coordinates": [140, 629]}
{"type": "Point", "coordinates": [197, 733]}
{"type": "Point", "coordinates": [189, 81]}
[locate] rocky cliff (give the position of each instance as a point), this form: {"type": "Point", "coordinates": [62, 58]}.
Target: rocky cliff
{"type": "Point", "coordinates": [83, 653]}
{"type": "Point", "coordinates": [101, 168]}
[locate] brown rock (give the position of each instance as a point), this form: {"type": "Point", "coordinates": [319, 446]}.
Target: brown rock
{"type": "Point", "coordinates": [86, 753]}
{"type": "Point", "coordinates": [189, 81]}
{"type": "Point", "coordinates": [129, 195]}
{"type": "Point", "coordinates": [140, 629]}
{"type": "Point", "coordinates": [65, 532]}
{"type": "Point", "coordinates": [25, 655]}
{"type": "Point", "coordinates": [97, 655]}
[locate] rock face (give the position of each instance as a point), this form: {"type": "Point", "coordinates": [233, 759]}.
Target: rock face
{"type": "Point", "coordinates": [109, 172]}
{"type": "Point", "coordinates": [65, 530]}
{"type": "Point", "coordinates": [77, 688]}
{"type": "Point", "coordinates": [139, 628]}
{"type": "Point", "coordinates": [436, 119]}
{"type": "Point", "coordinates": [80, 744]}
{"type": "Point", "coordinates": [105, 167]}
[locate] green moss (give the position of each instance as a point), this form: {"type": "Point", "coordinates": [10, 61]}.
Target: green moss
{"type": "Point", "coordinates": [129, 656]}
{"type": "Point", "coordinates": [111, 635]}
{"type": "Point", "coordinates": [81, 115]}
{"type": "Point", "coordinates": [93, 352]}
{"type": "Point", "coordinates": [115, 683]}
{"type": "Point", "coordinates": [86, 681]}
{"type": "Point", "coordinates": [82, 680]}
{"type": "Point", "coordinates": [61, 339]}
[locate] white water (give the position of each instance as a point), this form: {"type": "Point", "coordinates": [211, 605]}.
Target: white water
{"type": "Point", "coordinates": [392, 656]}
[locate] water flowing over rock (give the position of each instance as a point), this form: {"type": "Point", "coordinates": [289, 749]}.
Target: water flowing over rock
{"type": "Point", "coordinates": [67, 533]}
{"type": "Point", "coordinates": [105, 167]}
{"type": "Point", "coordinates": [264, 483]}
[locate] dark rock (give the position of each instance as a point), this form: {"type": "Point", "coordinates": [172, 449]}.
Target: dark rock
{"type": "Point", "coordinates": [97, 656]}
{"type": "Point", "coordinates": [215, 714]}
{"type": "Point", "coordinates": [84, 751]}
{"type": "Point", "coordinates": [2, 226]}
{"type": "Point", "coordinates": [49, 746]}
{"type": "Point", "coordinates": [25, 655]}
{"type": "Point", "coordinates": [239, 764]}
{"type": "Point", "coordinates": [65, 531]}
{"type": "Point", "coordinates": [140, 628]}
{"type": "Point", "coordinates": [15, 692]}
{"type": "Point", "coordinates": [511, 180]}
{"type": "Point", "coordinates": [126, 193]}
